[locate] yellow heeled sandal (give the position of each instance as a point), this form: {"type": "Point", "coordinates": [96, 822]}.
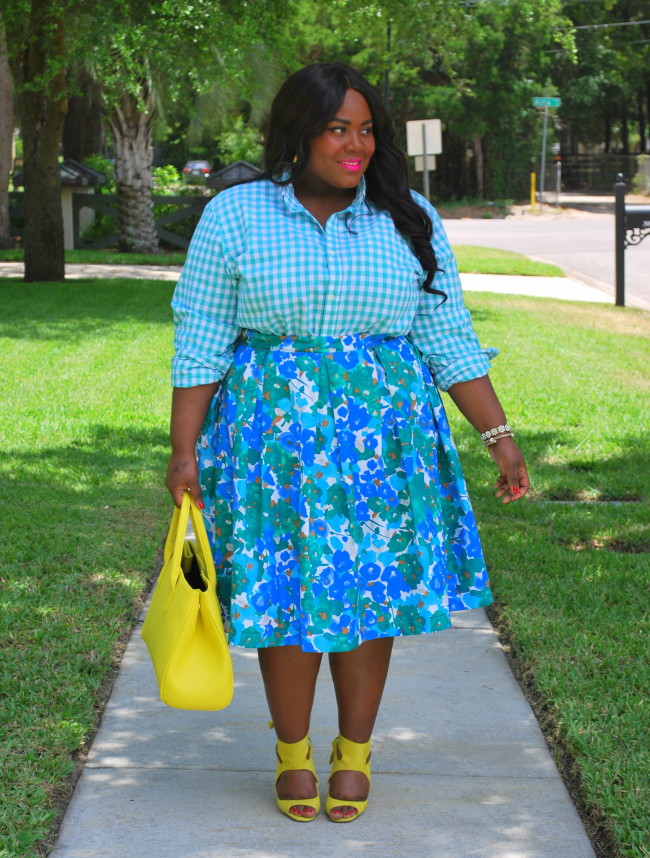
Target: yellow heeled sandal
{"type": "Point", "coordinates": [291, 756]}
{"type": "Point", "coordinates": [353, 757]}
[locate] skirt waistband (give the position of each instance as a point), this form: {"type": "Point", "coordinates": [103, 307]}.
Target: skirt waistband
{"type": "Point", "coordinates": [348, 342]}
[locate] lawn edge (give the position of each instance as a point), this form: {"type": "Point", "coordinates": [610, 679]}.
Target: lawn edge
{"type": "Point", "coordinates": [598, 827]}
{"type": "Point", "coordinates": [66, 788]}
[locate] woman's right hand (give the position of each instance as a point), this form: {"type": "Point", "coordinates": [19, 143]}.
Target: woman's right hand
{"type": "Point", "coordinates": [182, 474]}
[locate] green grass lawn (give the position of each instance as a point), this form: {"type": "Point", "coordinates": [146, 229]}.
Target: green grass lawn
{"type": "Point", "coordinates": [489, 260]}
{"type": "Point", "coordinates": [84, 402]}
{"type": "Point", "coordinates": [471, 260]}
{"type": "Point", "coordinates": [84, 399]}
{"type": "Point", "coordinates": [106, 257]}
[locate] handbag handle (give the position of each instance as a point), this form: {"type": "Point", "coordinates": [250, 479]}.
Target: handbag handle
{"type": "Point", "coordinates": [201, 534]}
{"type": "Point", "coordinates": [172, 533]}
{"type": "Point", "coordinates": [176, 538]}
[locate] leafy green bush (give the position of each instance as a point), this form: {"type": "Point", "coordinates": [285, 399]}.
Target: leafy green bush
{"type": "Point", "coordinates": [107, 168]}
{"type": "Point", "coordinates": [167, 180]}
{"type": "Point", "coordinates": [240, 143]}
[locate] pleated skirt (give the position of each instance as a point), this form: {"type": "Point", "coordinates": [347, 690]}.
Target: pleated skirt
{"type": "Point", "coordinates": [336, 506]}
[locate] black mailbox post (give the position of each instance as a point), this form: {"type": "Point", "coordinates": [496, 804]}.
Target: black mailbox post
{"type": "Point", "coordinates": [632, 224]}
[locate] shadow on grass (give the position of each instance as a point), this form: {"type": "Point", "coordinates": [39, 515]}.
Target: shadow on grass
{"type": "Point", "coordinates": [83, 527]}
{"type": "Point", "coordinates": [579, 504]}
{"type": "Point", "coordinates": [74, 500]}
{"type": "Point", "coordinates": [482, 314]}
{"type": "Point", "coordinates": [84, 308]}
{"type": "Point", "coordinates": [83, 523]}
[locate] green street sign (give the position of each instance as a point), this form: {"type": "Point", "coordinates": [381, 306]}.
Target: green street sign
{"type": "Point", "coordinates": [546, 101]}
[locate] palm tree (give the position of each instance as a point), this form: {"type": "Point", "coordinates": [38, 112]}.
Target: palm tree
{"type": "Point", "coordinates": [170, 48]}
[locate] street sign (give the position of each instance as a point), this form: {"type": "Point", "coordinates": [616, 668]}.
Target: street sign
{"type": "Point", "coordinates": [546, 101]}
{"type": "Point", "coordinates": [424, 133]}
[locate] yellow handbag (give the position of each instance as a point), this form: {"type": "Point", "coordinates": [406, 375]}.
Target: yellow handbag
{"type": "Point", "coordinates": [183, 628]}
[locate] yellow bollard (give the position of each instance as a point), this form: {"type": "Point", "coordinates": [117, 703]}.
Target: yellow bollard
{"type": "Point", "coordinates": [533, 179]}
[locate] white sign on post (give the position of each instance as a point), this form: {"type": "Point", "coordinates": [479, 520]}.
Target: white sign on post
{"type": "Point", "coordinates": [424, 141]}
{"type": "Point", "coordinates": [430, 130]}
{"type": "Point", "coordinates": [419, 163]}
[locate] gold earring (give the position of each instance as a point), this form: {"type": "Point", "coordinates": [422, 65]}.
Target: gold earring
{"type": "Point", "coordinates": [295, 159]}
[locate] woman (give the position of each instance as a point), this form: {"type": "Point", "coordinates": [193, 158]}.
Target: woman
{"type": "Point", "coordinates": [317, 314]}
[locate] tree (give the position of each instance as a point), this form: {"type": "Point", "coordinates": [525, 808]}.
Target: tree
{"type": "Point", "coordinates": [36, 40]}
{"type": "Point", "coordinates": [475, 65]}
{"type": "Point", "coordinates": [606, 94]}
{"type": "Point", "coordinates": [145, 49]}
{"type": "Point", "coordinates": [6, 139]}
{"type": "Point", "coordinates": [174, 48]}
{"type": "Point", "coordinates": [83, 128]}
{"type": "Point", "coordinates": [496, 61]}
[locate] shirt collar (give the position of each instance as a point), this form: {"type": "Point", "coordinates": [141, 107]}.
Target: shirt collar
{"type": "Point", "coordinates": [294, 205]}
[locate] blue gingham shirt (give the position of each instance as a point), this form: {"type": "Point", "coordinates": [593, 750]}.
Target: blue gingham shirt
{"type": "Point", "coordinates": [259, 260]}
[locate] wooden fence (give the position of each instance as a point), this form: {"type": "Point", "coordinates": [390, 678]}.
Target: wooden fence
{"type": "Point", "coordinates": [105, 204]}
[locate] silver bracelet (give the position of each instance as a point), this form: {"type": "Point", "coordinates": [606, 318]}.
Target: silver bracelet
{"type": "Point", "coordinates": [498, 430]}
{"type": "Point", "coordinates": [494, 438]}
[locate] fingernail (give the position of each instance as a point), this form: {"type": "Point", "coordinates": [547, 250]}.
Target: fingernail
{"type": "Point", "coordinates": [201, 505]}
{"type": "Point", "coordinates": [515, 489]}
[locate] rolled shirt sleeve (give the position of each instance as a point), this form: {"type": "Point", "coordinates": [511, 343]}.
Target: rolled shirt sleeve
{"type": "Point", "coordinates": [205, 302]}
{"type": "Point", "coordinates": [443, 332]}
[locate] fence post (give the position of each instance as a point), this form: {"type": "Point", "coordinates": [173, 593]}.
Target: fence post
{"type": "Point", "coordinates": [619, 238]}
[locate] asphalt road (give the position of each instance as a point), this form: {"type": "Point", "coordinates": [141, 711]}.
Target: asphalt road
{"type": "Point", "coordinates": [581, 243]}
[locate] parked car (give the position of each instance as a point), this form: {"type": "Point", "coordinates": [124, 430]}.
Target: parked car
{"type": "Point", "coordinates": [197, 170]}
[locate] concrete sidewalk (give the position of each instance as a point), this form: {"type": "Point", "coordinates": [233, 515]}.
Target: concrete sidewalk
{"type": "Point", "coordinates": [559, 288]}
{"type": "Point", "coordinates": [460, 768]}
{"type": "Point", "coordinates": [74, 271]}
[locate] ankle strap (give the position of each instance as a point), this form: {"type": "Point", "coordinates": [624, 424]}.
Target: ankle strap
{"type": "Point", "coordinates": [293, 754]}
{"type": "Point", "coordinates": [354, 755]}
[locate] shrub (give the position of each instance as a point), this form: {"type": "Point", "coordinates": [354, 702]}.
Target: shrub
{"type": "Point", "coordinates": [240, 143]}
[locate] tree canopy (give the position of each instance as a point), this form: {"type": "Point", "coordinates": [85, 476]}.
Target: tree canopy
{"type": "Point", "coordinates": [195, 79]}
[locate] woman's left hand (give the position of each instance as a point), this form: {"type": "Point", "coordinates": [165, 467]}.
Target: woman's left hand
{"type": "Point", "coordinates": [513, 482]}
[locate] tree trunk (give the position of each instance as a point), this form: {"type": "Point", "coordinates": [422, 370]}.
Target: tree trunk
{"type": "Point", "coordinates": [6, 139]}
{"type": "Point", "coordinates": [647, 105]}
{"type": "Point", "coordinates": [625, 137]}
{"type": "Point", "coordinates": [39, 76]}
{"type": "Point", "coordinates": [608, 133]}
{"type": "Point", "coordinates": [480, 167]}
{"type": "Point", "coordinates": [641, 121]}
{"type": "Point", "coordinates": [83, 130]}
{"type": "Point", "coordinates": [131, 128]}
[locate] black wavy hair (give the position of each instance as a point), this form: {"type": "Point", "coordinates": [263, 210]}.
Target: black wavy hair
{"type": "Point", "coordinates": [301, 110]}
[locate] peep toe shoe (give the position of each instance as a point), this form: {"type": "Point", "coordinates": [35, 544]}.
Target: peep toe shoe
{"type": "Point", "coordinates": [291, 756]}
{"type": "Point", "coordinates": [348, 756]}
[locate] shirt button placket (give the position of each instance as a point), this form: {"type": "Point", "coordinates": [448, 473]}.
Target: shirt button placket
{"type": "Point", "coordinates": [331, 306]}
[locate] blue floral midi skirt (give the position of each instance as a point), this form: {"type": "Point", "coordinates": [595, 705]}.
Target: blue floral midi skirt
{"type": "Point", "coordinates": [335, 502]}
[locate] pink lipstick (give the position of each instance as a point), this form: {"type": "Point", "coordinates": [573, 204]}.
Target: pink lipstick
{"type": "Point", "coordinates": [353, 166]}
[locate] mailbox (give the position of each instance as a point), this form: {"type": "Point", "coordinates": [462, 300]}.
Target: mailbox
{"type": "Point", "coordinates": [636, 217]}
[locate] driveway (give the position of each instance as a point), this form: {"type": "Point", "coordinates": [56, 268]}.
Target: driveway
{"type": "Point", "coordinates": [581, 243]}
